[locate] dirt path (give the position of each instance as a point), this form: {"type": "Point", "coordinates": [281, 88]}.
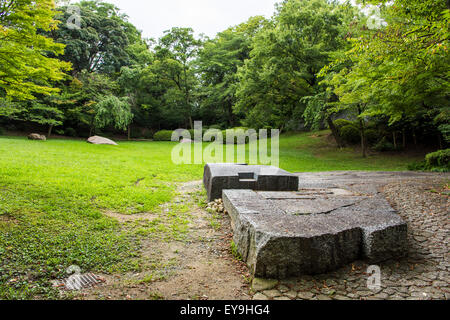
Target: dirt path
{"type": "Point", "coordinates": [200, 267]}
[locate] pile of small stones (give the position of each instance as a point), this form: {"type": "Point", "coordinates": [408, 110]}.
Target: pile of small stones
{"type": "Point", "coordinates": [216, 207]}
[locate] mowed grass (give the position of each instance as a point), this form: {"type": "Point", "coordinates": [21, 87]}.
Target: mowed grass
{"type": "Point", "coordinates": [316, 152]}
{"type": "Point", "coordinates": [53, 196]}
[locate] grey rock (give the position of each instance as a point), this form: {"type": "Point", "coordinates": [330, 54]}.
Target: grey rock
{"type": "Point", "coordinates": [36, 136]}
{"type": "Point", "coordinates": [101, 140]}
{"type": "Point", "coordinates": [281, 298]}
{"type": "Point", "coordinates": [291, 294]}
{"type": "Point", "coordinates": [259, 284]}
{"type": "Point", "coordinates": [260, 296]}
{"type": "Point", "coordinates": [305, 295]}
{"type": "Point", "coordinates": [382, 295]}
{"type": "Point", "coordinates": [339, 297]}
{"type": "Point", "coordinates": [272, 293]}
{"type": "Point", "coordinates": [323, 297]}
{"type": "Point", "coordinates": [283, 288]}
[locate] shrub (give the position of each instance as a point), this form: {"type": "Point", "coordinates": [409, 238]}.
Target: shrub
{"type": "Point", "coordinates": [340, 123]}
{"type": "Point", "coordinates": [216, 126]}
{"type": "Point", "coordinates": [10, 127]}
{"type": "Point", "coordinates": [372, 136]}
{"type": "Point", "coordinates": [269, 131]}
{"type": "Point", "coordinates": [163, 135]}
{"type": "Point", "coordinates": [135, 133]}
{"type": "Point", "coordinates": [384, 145]}
{"type": "Point", "coordinates": [417, 166]}
{"type": "Point", "coordinates": [237, 134]}
{"type": "Point", "coordinates": [70, 132]}
{"type": "Point", "coordinates": [148, 134]}
{"type": "Point", "coordinates": [2, 132]}
{"type": "Point", "coordinates": [350, 134]}
{"type": "Point", "coordinates": [438, 159]}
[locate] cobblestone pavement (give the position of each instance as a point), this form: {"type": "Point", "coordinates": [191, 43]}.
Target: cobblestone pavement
{"type": "Point", "coordinates": [423, 275]}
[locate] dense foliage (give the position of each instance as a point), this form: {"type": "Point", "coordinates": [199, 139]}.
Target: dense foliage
{"type": "Point", "coordinates": [314, 61]}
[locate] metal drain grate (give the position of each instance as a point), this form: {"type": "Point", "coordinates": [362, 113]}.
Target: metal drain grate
{"type": "Point", "coordinates": [79, 281]}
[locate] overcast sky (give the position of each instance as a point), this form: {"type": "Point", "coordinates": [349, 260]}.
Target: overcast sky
{"type": "Point", "coordinates": [153, 17]}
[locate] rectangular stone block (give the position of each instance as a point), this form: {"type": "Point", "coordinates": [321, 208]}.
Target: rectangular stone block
{"type": "Point", "coordinates": [219, 177]}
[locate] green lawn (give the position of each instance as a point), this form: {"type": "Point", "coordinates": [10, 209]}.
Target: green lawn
{"type": "Point", "coordinates": [311, 152]}
{"type": "Point", "coordinates": [53, 195]}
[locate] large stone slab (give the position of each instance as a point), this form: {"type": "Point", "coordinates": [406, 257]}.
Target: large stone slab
{"type": "Point", "coordinates": [311, 231]}
{"type": "Point", "coordinates": [218, 177]}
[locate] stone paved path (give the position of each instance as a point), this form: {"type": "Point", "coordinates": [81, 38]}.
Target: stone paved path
{"type": "Point", "coordinates": [423, 202]}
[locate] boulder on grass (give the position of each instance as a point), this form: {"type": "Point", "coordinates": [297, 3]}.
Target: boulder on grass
{"type": "Point", "coordinates": [186, 141]}
{"type": "Point", "coordinates": [101, 140]}
{"type": "Point", "coordinates": [36, 136]}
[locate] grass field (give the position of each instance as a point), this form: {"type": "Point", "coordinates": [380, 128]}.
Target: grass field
{"type": "Point", "coordinates": [53, 196]}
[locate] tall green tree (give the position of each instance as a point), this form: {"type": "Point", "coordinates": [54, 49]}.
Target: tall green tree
{"type": "Point", "coordinates": [113, 111]}
{"type": "Point", "coordinates": [101, 42]}
{"type": "Point", "coordinates": [218, 62]}
{"type": "Point", "coordinates": [400, 69]}
{"type": "Point", "coordinates": [26, 65]}
{"type": "Point", "coordinates": [79, 100]}
{"type": "Point", "coordinates": [173, 64]}
{"type": "Point", "coordinates": [286, 57]}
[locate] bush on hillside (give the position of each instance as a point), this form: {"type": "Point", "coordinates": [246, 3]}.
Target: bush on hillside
{"type": "Point", "coordinates": [163, 135]}
{"type": "Point", "coordinates": [438, 159]}
{"type": "Point", "coordinates": [372, 136]}
{"type": "Point", "coordinates": [238, 132]}
{"type": "Point", "coordinates": [70, 132]}
{"type": "Point", "coordinates": [350, 134]}
{"type": "Point", "coordinates": [340, 123]}
{"type": "Point", "coordinates": [437, 162]}
{"type": "Point", "coordinates": [384, 146]}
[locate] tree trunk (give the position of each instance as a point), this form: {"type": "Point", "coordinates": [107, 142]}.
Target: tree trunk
{"type": "Point", "coordinates": [363, 139]}
{"type": "Point", "coordinates": [335, 133]}
{"type": "Point", "coordinates": [129, 132]}
{"type": "Point", "coordinates": [394, 136]}
{"type": "Point", "coordinates": [91, 128]}
{"type": "Point", "coordinates": [404, 138]}
{"type": "Point", "coordinates": [363, 134]}
{"type": "Point", "coordinates": [49, 133]}
{"type": "Point", "coordinates": [230, 115]}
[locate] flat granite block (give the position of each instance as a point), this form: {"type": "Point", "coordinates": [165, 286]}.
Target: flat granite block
{"type": "Point", "coordinates": [285, 234]}
{"type": "Point", "coordinates": [218, 177]}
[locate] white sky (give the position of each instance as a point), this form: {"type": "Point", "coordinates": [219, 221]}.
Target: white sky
{"type": "Point", "coordinates": [153, 17]}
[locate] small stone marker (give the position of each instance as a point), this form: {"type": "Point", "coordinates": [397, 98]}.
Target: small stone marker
{"type": "Point", "coordinates": [286, 234]}
{"type": "Point", "coordinates": [186, 141]}
{"type": "Point", "coordinates": [218, 177]}
{"type": "Point", "coordinates": [101, 140]}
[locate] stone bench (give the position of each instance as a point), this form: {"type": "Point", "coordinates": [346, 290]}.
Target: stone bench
{"type": "Point", "coordinates": [218, 177]}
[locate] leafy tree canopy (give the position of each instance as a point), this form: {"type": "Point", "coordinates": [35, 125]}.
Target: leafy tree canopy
{"type": "Point", "coordinates": [26, 68]}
